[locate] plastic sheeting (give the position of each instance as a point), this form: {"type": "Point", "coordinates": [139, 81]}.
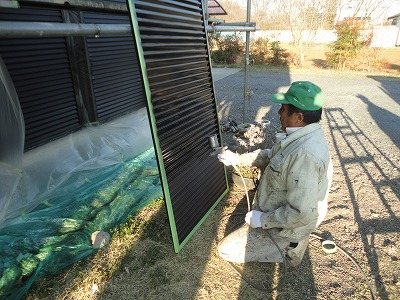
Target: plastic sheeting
{"type": "Point", "coordinates": [52, 198]}
{"type": "Point", "coordinates": [61, 166]}
{"type": "Point", "coordinates": [58, 232]}
{"type": "Point", "coordinates": [12, 135]}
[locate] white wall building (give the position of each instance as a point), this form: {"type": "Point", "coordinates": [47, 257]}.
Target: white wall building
{"type": "Point", "coordinates": [383, 36]}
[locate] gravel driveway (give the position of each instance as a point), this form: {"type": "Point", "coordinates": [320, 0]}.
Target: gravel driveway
{"type": "Point", "coordinates": [362, 125]}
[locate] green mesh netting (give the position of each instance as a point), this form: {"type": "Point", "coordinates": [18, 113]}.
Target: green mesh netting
{"type": "Point", "coordinates": [58, 232]}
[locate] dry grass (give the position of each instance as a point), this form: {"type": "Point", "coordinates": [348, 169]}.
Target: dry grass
{"type": "Point", "coordinates": [370, 60]}
{"type": "Point", "coordinates": [139, 263]}
{"type": "Point", "coordinates": [378, 61]}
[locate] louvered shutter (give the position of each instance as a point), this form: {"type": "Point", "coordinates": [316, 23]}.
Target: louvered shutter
{"type": "Point", "coordinates": [173, 43]}
{"type": "Point", "coordinates": [41, 74]}
{"type": "Point", "coordinates": [116, 77]}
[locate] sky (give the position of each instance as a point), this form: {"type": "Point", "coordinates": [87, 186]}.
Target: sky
{"type": "Point", "coordinates": [393, 7]}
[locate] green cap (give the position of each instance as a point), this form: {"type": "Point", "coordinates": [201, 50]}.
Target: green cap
{"type": "Point", "coordinates": [302, 94]}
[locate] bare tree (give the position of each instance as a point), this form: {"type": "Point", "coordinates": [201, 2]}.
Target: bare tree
{"type": "Point", "coordinates": [341, 7]}
{"type": "Point", "coordinates": [369, 10]}
{"type": "Point", "coordinates": [365, 9]}
{"type": "Point", "coordinates": [234, 11]}
{"type": "Point", "coordinates": [259, 11]}
{"type": "Point", "coordinates": [304, 18]}
{"type": "Point", "coordinates": [258, 5]}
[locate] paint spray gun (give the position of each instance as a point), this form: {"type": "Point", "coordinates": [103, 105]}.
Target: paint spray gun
{"type": "Point", "coordinates": [214, 144]}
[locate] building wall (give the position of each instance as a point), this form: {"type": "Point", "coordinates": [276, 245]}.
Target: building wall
{"type": "Point", "coordinates": [383, 36]}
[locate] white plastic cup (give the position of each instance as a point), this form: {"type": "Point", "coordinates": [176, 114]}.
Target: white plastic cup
{"type": "Point", "coordinates": [329, 246]}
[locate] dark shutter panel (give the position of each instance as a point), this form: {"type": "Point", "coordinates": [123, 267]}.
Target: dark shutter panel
{"type": "Point", "coordinates": [174, 44]}
{"type": "Point", "coordinates": [41, 74]}
{"type": "Point", "coordinates": [116, 75]}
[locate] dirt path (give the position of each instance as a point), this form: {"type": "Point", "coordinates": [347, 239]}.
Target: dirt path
{"type": "Point", "coordinates": [362, 125]}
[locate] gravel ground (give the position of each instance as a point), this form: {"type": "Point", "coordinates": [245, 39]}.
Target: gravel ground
{"type": "Point", "coordinates": [362, 125]}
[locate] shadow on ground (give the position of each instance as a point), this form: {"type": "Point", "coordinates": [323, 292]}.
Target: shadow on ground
{"type": "Point", "coordinates": [368, 178]}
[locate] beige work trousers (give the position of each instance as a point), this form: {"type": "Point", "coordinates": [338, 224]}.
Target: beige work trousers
{"type": "Point", "coordinates": [248, 244]}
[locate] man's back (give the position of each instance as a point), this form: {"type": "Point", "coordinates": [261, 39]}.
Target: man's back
{"type": "Point", "coordinates": [296, 182]}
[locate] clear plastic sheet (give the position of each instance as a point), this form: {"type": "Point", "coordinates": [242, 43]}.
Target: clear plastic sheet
{"type": "Point", "coordinates": [61, 166]}
{"type": "Point", "coordinates": [52, 198]}
{"type": "Point", "coordinates": [12, 135]}
{"type": "Point", "coordinates": [58, 232]}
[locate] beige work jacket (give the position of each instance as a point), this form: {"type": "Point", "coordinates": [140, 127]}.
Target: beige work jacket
{"type": "Point", "coordinates": [294, 186]}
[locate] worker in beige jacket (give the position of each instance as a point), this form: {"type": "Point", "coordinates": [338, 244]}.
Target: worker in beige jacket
{"type": "Point", "coordinates": [291, 198]}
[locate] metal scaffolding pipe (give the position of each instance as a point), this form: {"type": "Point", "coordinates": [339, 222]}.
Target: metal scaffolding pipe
{"type": "Point", "coordinates": [246, 66]}
{"type": "Point", "coordinates": [89, 5]}
{"type": "Point", "coordinates": [225, 28]}
{"type": "Point", "coordinates": [42, 29]}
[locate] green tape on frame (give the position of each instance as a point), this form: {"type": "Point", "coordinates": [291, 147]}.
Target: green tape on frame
{"type": "Point", "coordinates": [177, 246]}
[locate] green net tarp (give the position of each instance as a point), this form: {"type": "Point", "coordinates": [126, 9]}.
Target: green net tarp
{"type": "Point", "coordinates": [58, 232]}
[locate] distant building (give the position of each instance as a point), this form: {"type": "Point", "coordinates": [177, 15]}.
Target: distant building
{"type": "Point", "coordinates": [395, 20]}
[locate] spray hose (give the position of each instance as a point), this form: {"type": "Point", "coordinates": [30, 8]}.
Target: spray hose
{"type": "Point", "coordinates": [330, 250]}
{"type": "Point", "coordinates": [269, 235]}
{"type": "Point", "coordinates": [245, 188]}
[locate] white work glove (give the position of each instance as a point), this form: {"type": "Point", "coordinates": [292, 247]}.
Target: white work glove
{"type": "Point", "coordinates": [228, 158]}
{"type": "Point", "coordinates": [253, 218]}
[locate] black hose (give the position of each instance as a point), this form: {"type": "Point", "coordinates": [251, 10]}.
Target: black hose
{"type": "Point", "coordinates": [354, 262]}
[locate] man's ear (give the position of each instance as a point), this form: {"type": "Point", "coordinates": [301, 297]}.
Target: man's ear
{"type": "Point", "coordinates": [299, 118]}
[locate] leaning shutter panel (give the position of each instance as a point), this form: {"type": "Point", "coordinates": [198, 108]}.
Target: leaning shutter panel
{"type": "Point", "coordinates": [117, 82]}
{"type": "Point", "coordinates": [41, 74]}
{"type": "Point", "coordinates": [174, 45]}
